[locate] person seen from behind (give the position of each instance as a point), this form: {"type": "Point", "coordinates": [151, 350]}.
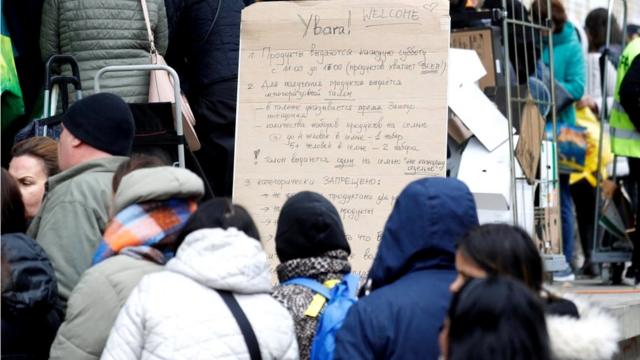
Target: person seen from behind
{"type": "Point", "coordinates": [505, 250]}
{"type": "Point", "coordinates": [219, 265]}
{"type": "Point", "coordinates": [310, 243]}
{"type": "Point", "coordinates": [495, 318]}
{"type": "Point", "coordinates": [30, 311]}
{"type": "Point", "coordinates": [96, 138]}
{"type": "Point", "coordinates": [105, 33]}
{"type": "Point", "coordinates": [151, 205]}
{"type": "Point", "coordinates": [33, 161]}
{"type": "Point", "coordinates": [410, 275]}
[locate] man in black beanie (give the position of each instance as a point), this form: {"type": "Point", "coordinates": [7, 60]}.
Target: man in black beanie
{"type": "Point", "coordinates": [96, 138]}
{"type": "Point", "coordinates": [310, 243]}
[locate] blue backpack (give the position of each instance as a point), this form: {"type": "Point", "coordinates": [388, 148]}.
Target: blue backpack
{"type": "Point", "coordinates": [339, 299]}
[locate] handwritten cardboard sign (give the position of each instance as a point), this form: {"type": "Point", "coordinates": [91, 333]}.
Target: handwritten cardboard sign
{"type": "Point", "coordinates": [345, 98]}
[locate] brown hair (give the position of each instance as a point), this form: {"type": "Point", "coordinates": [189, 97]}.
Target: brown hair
{"type": "Point", "coordinates": [13, 213]}
{"type": "Point", "coordinates": [135, 162]}
{"type": "Point", "coordinates": [40, 147]}
{"type": "Point", "coordinates": [540, 12]}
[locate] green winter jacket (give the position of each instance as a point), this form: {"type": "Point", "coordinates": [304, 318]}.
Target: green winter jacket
{"type": "Point", "coordinates": [73, 217]}
{"type": "Point", "coordinates": [102, 33]}
{"type": "Point", "coordinates": [568, 67]}
{"type": "Point", "coordinates": [103, 289]}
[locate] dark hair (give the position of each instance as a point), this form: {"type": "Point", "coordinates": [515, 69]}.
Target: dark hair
{"type": "Point", "coordinates": [596, 27]}
{"type": "Point", "coordinates": [42, 148]}
{"type": "Point", "coordinates": [219, 213]}
{"type": "Point", "coordinates": [540, 13]}
{"type": "Point", "coordinates": [497, 319]}
{"type": "Point", "coordinates": [501, 249]}
{"type": "Point", "coordinates": [13, 212]}
{"type": "Point", "coordinates": [135, 162]}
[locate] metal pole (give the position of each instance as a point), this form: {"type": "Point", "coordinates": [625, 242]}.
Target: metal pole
{"type": "Point", "coordinates": [553, 115]}
{"type": "Point", "coordinates": [505, 36]}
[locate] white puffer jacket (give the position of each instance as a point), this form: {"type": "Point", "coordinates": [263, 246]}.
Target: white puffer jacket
{"type": "Point", "coordinates": [176, 314]}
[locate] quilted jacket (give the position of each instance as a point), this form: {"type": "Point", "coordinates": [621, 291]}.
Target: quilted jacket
{"type": "Point", "coordinates": [177, 314]}
{"type": "Point", "coordinates": [102, 33]}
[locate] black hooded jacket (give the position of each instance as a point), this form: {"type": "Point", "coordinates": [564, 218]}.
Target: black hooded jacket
{"type": "Point", "coordinates": [30, 312]}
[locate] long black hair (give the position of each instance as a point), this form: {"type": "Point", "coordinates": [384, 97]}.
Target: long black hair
{"type": "Point", "coordinates": [497, 318]}
{"type": "Point", "coordinates": [501, 249]}
{"type": "Point", "coordinates": [13, 212]}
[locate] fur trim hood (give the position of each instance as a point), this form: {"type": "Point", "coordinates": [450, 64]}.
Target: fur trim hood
{"type": "Point", "coordinates": [594, 336]}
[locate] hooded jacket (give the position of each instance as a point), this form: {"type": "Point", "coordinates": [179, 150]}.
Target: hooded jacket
{"type": "Point", "coordinates": [103, 289]}
{"type": "Point", "coordinates": [30, 315]}
{"type": "Point", "coordinates": [593, 336]}
{"type": "Point", "coordinates": [411, 274]}
{"type": "Point", "coordinates": [177, 314]}
{"type": "Point", "coordinates": [73, 216]}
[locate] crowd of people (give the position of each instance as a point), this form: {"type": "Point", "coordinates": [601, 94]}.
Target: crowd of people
{"type": "Point", "coordinates": [108, 253]}
{"type": "Point", "coordinates": [123, 260]}
{"type": "Point", "coordinates": [583, 58]}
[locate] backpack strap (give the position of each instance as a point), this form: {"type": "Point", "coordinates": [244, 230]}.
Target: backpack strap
{"type": "Point", "coordinates": [244, 324]}
{"type": "Point", "coordinates": [311, 284]}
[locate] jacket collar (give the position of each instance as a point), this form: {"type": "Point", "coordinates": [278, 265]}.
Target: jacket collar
{"type": "Point", "coordinates": [108, 164]}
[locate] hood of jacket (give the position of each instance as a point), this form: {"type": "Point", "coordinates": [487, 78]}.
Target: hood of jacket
{"type": "Point", "coordinates": [29, 283]}
{"type": "Point", "coordinates": [157, 183]}
{"type": "Point", "coordinates": [223, 260]}
{"type": "Point", "coordinates": [429, 216]}
{"type": "Point", "coordinates": [594, 335]}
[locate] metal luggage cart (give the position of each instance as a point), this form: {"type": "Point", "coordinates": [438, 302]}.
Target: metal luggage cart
{"type": "Point", "coordinates": [177, 109]}
{"type": "Point", "coordinates": [612, 260]}
{"type": "Point", "coordinates": [49, 123]}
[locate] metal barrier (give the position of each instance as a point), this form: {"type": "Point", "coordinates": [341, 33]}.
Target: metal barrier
{"type": "Point", "coordinates": [176, 91]}
{"type": "Point", "coordinates": [600, 253]}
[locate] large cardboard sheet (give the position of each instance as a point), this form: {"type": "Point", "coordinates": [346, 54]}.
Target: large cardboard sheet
{"type": "Point", "coordinates": [345, 98]}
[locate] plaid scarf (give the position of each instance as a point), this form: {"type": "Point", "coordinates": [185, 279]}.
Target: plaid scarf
{"type": "Point", "coordinates": [140, 230]}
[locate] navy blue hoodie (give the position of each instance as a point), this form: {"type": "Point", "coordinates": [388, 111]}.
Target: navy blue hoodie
{"type": "Point", "coordinates": [410, 275]}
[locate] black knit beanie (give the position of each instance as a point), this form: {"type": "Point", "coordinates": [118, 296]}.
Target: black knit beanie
{"type": "Point", "coordinates": [309, 225]}
{"type": "Point", "coordinates": [103, 121]}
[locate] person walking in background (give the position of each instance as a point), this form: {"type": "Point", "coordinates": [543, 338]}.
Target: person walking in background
{"type": "Point", "coordinates": [97, 136]}
{"type": "Point", "coordinates": [495, 319]}
{"type": "Point", "coordinates": [33, 161]}
{"type": "Point", "coordinates": [410, 275]}
{"type": "Point", "coordinates": [219, 263]}
{"type": "Point", "coordinates": [569, 74]}
{"type": "Point", "coordinates": [310, 243]}
{"type": "Point", "coordinates": [103, 33]}
{"type": "Point", "coordinates": [577, 330]}
{"type": "Point", "coordinates": [30, 311]}
{"type": "Point", "coordinates": [151, 204]}
{"type": "Point", "coordinates": [204, 49]}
